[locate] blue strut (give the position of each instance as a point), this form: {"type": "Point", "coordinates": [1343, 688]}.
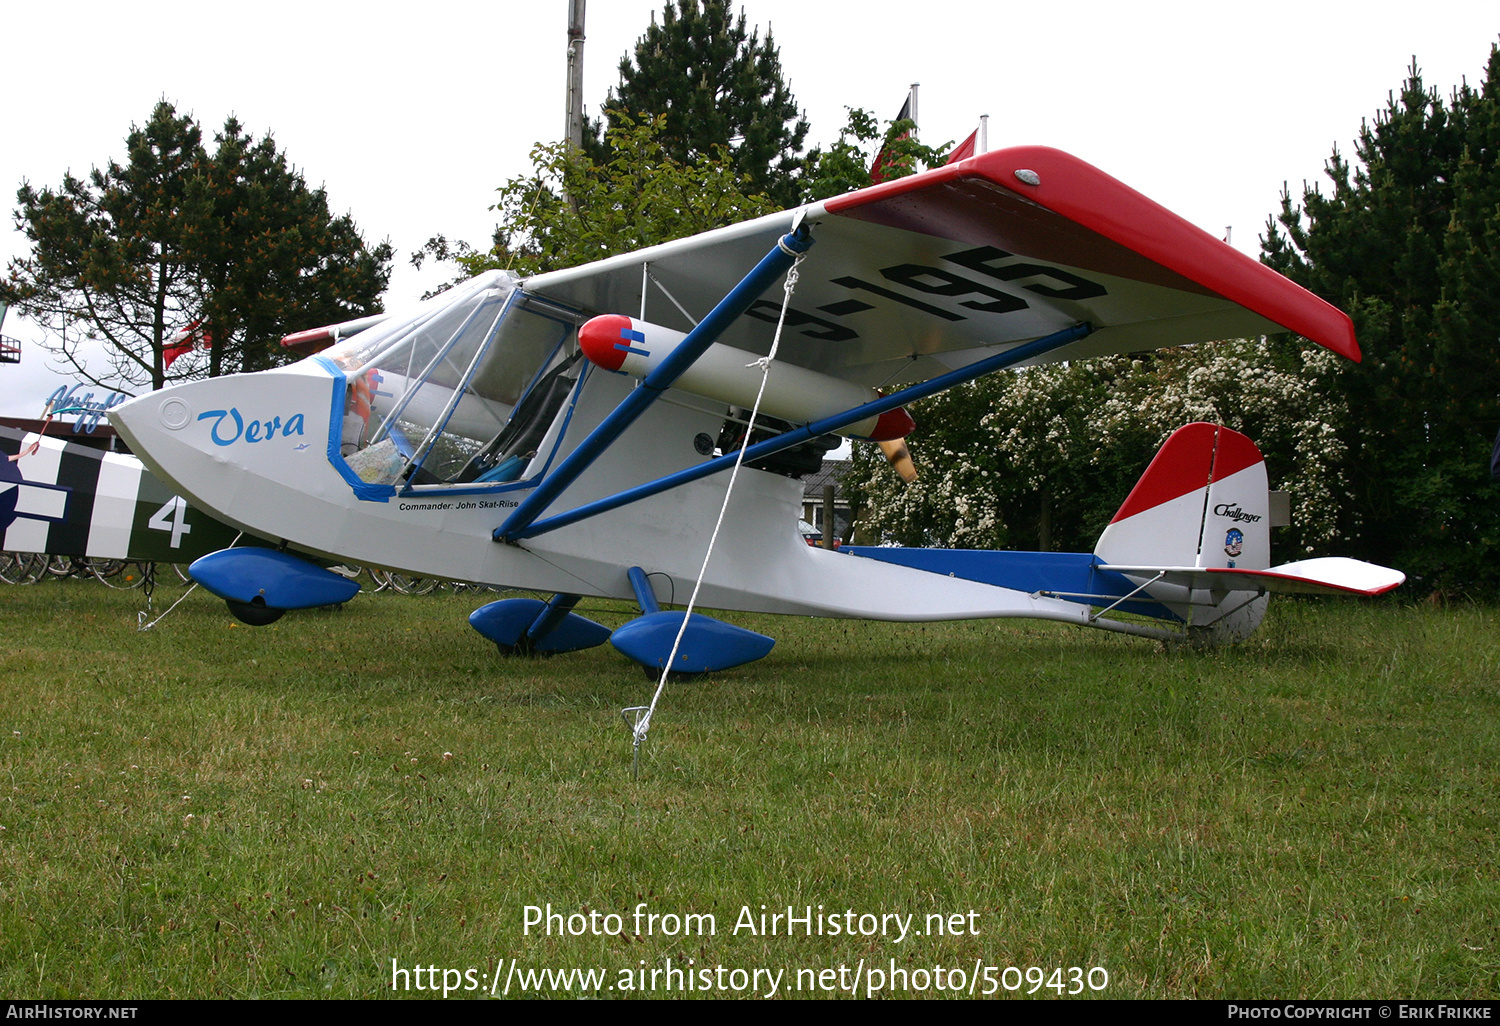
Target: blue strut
{"type": "Point", "coordinates": [797, 436]}
{"type": "Point", "coordinates": [788, 248]}
{"type": "Point", "coordinates": [645, 596]}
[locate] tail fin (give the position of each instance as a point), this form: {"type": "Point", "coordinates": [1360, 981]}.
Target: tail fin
{"type": "Point", "coordinates": [1202, 505]}
{"type": "Point", "coordinates": [1195, 535]}
{"type": "Point", "coordinates": [1203, 502]}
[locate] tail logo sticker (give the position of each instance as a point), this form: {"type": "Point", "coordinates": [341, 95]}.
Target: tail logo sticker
{"type": "Point", "coordinates": [1233, 511]}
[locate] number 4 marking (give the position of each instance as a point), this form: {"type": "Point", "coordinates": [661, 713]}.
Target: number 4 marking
{"type": "Point", "coordinates": [172, 517]}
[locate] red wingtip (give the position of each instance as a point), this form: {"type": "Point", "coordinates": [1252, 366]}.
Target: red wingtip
{"type": "Point", "coordinates": [314, 340]}
{"type": "Point", "coordinates": [1090, 199]}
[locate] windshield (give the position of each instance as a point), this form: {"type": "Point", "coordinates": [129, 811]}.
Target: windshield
{"type": "Point", "coordinates": [461, 390]}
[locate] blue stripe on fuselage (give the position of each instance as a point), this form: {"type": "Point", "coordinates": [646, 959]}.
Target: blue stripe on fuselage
{"type": "Point", "coordinates": [1074, 574]}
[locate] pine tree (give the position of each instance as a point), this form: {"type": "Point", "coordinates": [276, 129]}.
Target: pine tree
{"type": "Point", "coordinates": [232, 244]}
{"type": "Point", "coordinates": [717, 84]}
{"type": "Point", "coordinates": [1409, 243]}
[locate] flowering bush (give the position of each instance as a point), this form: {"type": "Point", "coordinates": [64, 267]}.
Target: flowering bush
{"type": "Point", "coordinates": [1042, 457]}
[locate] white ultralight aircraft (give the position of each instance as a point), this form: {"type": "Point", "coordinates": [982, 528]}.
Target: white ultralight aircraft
{"type": "Point", "coordinates": [565, 432]}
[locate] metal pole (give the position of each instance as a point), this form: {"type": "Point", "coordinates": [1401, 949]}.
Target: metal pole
{"type": "Point", "coordinates": [573, 130]}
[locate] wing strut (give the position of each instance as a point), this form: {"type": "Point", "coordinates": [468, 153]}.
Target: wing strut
{"type": "Point", "coordinates": [797, 436]}
{"type": "Point", "coordinates": [771, 267]}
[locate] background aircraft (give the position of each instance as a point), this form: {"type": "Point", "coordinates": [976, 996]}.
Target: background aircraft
{"type": "Point", "coordinates": [68, 499]}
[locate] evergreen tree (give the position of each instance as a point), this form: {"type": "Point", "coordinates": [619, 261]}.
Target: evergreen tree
{"type": "Point", "coordinates": [715, 83]}
{"type": "Point", "coordinates": [1408, 242]}
{"type": "Point", "coordinates": [273, 259]}
{"type": "Point", "coordinates": [231, 246]}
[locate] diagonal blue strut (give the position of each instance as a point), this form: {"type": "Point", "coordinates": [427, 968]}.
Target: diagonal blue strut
{"type": "Point", "coordinates": [797, 436]}
{"type": "Point", "coordinates": [788, 248]}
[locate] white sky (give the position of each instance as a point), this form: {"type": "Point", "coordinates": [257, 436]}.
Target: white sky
{"type": "Point", "coordinates": [410, 115]}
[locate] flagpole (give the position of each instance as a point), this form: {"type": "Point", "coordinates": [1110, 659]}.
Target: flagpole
{"type": "Point", "coordinates": [912, 97]}
{"type": "Point", "coordinates": [984, 133]}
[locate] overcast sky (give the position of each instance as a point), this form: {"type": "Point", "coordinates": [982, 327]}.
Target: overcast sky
{"type": "Point", "coordinates": [410, 115]}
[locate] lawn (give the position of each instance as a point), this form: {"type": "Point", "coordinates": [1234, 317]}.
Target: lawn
{"type": "Point", "coordinates": [354, 797]}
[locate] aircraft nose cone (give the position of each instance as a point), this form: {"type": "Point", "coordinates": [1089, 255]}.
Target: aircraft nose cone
{"type": "Point", "coordinates": [160, 414]}
{"type": "Point", "coordinates": [212, 438]}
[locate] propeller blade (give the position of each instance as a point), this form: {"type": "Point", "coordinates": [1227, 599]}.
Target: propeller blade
{"type": "Point", "coordinates": [898, 457]}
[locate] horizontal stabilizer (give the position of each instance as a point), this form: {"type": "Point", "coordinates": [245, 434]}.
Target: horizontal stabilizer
{"type": "Point", "coordinates": [1328, 575]}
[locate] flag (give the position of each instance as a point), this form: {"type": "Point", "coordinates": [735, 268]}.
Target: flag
{"type": "Point", "coordinates": [965, 149]}
{"type": "Point", "coordinates": [882, 163]}
{"type": "Point", "coordinates": [184, 342]}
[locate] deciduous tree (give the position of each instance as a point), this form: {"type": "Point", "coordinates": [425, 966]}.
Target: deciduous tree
{"type": "Point", "coordinates": [1042, 458]}
{"type": "Point", "coordinates": [639, 197]}
{"type": "Point", "coordinates": [845, 165]}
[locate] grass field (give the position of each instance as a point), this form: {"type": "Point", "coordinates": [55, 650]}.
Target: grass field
{"type": "Point", "coordinates": [211, 810]}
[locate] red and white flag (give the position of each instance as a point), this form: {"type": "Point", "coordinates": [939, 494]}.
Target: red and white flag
{"type": "Point", "coordinates": [185, 341]}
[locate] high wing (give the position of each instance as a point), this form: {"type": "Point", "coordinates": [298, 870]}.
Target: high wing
{"type": "Point", "coordinates": [923, 275]}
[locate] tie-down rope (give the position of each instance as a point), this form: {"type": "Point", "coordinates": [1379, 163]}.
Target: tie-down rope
{"type": "Point", "coordinates": [643, 721]}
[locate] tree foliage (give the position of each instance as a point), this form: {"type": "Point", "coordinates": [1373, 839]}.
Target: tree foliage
{"type": "Point", "coordinates": [232, 240]}
{"type": "Point", "coordinates": [845, 165]}
{"type": "Point", "coordinates": [1408, 241]}
{"type": "Point", "coordinates": [1041, 458]}
{"type": "Point", "coordinates": [714, 83]}
{"type": "Point", "coordinates": [572, 209]}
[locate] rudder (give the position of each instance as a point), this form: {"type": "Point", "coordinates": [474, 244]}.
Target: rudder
{"type": "Point", "coordinates": [1204, 502]}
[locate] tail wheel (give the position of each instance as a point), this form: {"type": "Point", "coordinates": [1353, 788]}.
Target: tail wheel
{"type": "Point", "coordinates": [1234, 625]}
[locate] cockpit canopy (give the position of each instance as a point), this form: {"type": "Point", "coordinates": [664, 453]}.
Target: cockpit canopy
{"type": "Point", "coordinates": [462, 390]}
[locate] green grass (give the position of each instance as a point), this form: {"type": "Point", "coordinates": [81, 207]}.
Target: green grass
{"type": "Point", "coordinates": [212, 810]}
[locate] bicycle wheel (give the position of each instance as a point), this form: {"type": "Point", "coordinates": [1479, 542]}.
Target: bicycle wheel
{"type": "Point", "coordinates": [413, 585]}
{"type": "Point", "coordinates": [18, 567]}
{"type": "Point", "coordinates": [64, 566]}
{"type": "Point", "coordinates": [117, 573]}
